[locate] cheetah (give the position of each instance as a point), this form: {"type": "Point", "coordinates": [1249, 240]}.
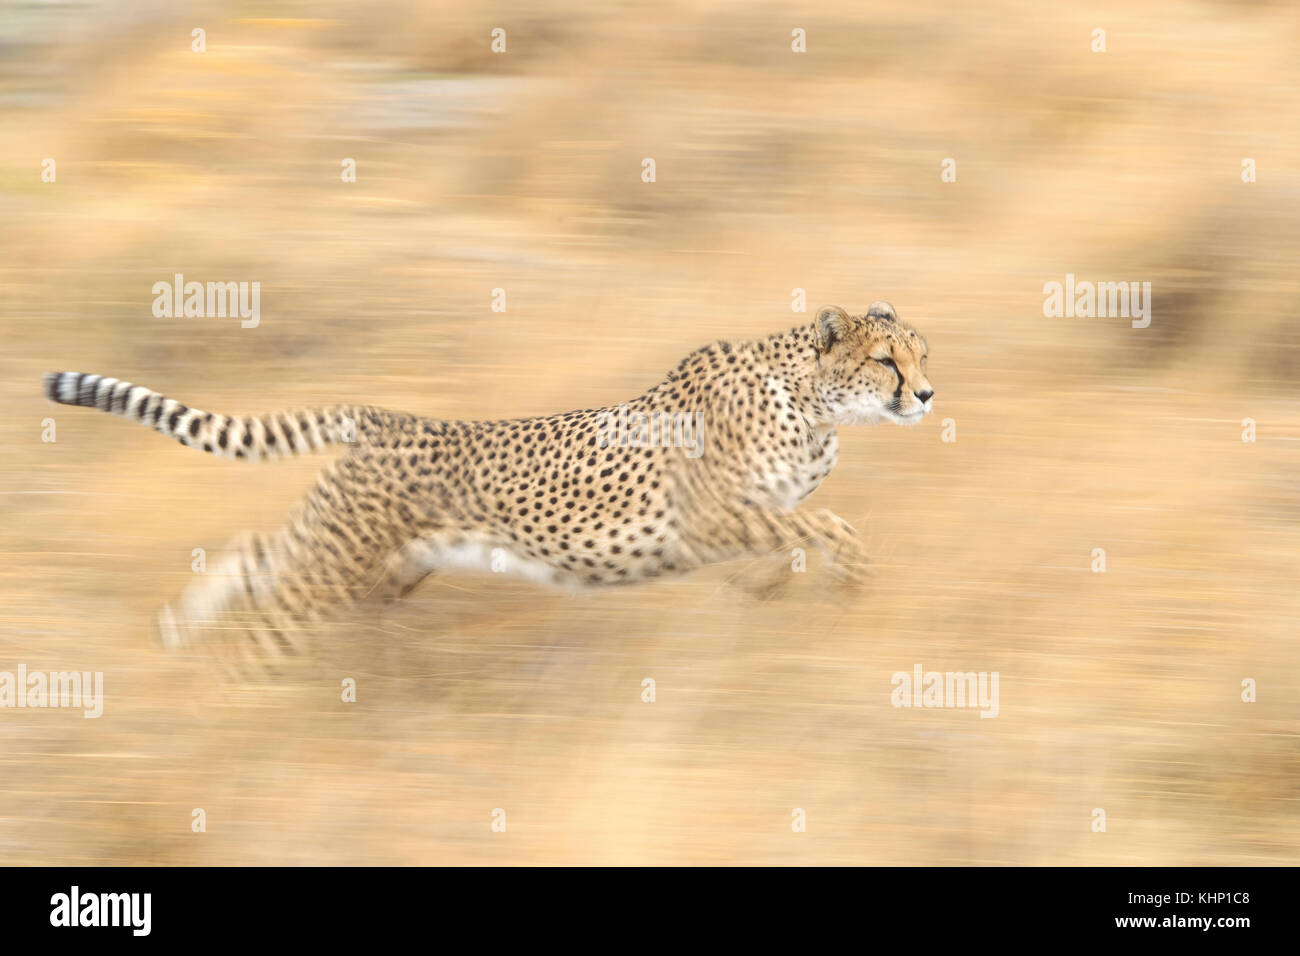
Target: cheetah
{"type": "Point", "coordinates": [707, 466]}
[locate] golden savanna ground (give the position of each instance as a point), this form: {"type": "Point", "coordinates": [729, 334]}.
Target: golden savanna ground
{"type": "Point", "coordinates": [775, 171]}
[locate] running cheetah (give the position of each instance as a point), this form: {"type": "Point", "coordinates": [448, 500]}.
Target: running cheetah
{"type": "Point", "coordinates": [706, 466]}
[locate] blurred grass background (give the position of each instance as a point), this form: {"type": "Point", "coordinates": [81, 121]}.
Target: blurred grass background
{"type": "Point", "coordinates": [775, 170]}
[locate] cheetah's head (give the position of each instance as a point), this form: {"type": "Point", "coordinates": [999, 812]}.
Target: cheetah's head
{"type": "Point", "coordinates": [870, 368]}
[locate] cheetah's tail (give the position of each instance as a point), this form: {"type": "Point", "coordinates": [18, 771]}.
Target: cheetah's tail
{"type": "Point", "coordinates": [249, 437]}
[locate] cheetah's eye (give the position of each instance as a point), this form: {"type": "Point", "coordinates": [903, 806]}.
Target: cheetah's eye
{"type": "Point", "coordinates": [888, 363]}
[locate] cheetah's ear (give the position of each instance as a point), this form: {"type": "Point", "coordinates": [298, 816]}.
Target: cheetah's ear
{"type": "Point", "coordinates": [882, 310]}
{"type": "Point", "coordinates": [831, 325]}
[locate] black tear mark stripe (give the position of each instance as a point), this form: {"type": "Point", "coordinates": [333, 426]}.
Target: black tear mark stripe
{"type": "Point", "coordinates": [898, 392]}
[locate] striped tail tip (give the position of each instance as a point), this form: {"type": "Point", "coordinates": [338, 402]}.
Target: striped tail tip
{"type": "Point", "coordinates": [73, 388]}
{"type": "Point", "coordinates": [50, 384]}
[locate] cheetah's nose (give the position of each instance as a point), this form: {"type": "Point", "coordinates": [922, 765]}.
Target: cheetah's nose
{"type": "Point", "coordinates": [925, 396]}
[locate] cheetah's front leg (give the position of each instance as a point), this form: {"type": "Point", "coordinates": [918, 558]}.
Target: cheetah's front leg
{"type": "Point", "coordinates": [758, 529]}
{"type": "Point", "coordinates": [835, 537]}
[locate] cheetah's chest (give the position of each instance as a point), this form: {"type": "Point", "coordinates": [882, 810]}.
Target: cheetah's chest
{"type": "Point", "coordinates": [784, 480]}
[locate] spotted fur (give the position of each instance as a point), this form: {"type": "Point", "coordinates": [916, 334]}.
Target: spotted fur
{"type": "Point", "coordinates": [549, 499]}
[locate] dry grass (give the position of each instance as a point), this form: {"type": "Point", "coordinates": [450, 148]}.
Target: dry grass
{"type": "Point", "coordinates": [1118, 690]}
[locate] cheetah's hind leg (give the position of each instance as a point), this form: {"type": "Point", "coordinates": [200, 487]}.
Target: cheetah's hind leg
{"type": "Point", "coordinates": [257, 608]}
